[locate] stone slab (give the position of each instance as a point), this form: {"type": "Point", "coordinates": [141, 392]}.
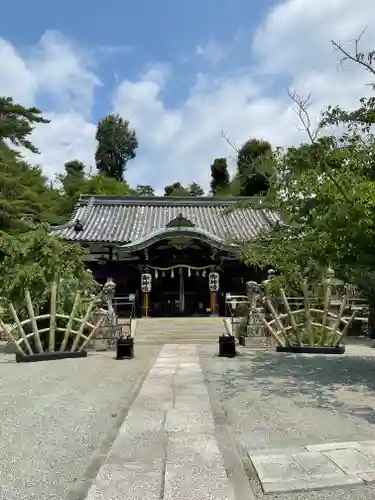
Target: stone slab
{"type": "Point", "coordinates": [351, 461]}
{"type": "Point", "coordinates": [144, 447]}
{"type": "Point", "coordinates": [332, 446]}
{"type": "Point", "coordinates": [140, 420]}
{"type": "Point", "coordinates": [368, 477]}
{"type": "Point", "coordinates": [274, 468]}
{"type": "Point", "coordinates": [317, 464]}
{"type": "Point", "coordinates": [275, 451]}
{"type": "Point", "coordinates": [190, 420]}
{"type": "Point", "coordinates": [311, 483]}
{"type": "Point", "coordinates": [135, 482]}
{"type": "Point", "coordinates": [200, 403]}
{"type": "Point", "coordinates": [368, 450]}
{"type": "Point", "coordinates": [189, 482]}
{"type": "Point", "coordinates": [194, 449]}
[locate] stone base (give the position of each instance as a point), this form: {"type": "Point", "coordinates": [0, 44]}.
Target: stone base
{"type": "Point", "coordinates": [99, 344]}
{"type": "Point", "coordinates": [252, 341]}
{"type": "Point", "coordinates": [49, 356]}
{"type": "Point", "coordinates": [312, 350]}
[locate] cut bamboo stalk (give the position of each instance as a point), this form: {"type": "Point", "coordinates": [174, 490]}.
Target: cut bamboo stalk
{"type": "Point", "coordinates": [297, 332]}
{"type": "Point", "coordinates": [83, 325]}
{"type": "Point", "coordinates": [306, 303]}
{"type": "Point", "coordinates": [34, 325]}
{"type": "Point", "coordinates": [89, 337]}
{"type": "Point", "coordinates": [10, 336]}
{"type": "Point", "coordinates": [326, 310]}
{"type": "Point", "coordinates": [338, 320]}
{"type": "Point", "coordinates": [345, 330]}
{"type": "Point", "coordinates": [58, 316]}
{"type": "Point", "coordinates": [271, 330]}
{"type": "Point", "coordinates": [52, 323]}
{"type": "Point", "coordinates": [77, 301]}
{"type": "Point", "coordinates": [20, 328]}
{"type": "Point", "coordinates": [277, 321]}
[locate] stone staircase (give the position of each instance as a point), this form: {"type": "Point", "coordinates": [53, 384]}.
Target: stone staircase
{"type": "Point", "coordinates": [158, 331]}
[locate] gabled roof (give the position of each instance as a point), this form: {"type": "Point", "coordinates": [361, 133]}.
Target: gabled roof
{"type": "Point", "coordinates": [121, 220]}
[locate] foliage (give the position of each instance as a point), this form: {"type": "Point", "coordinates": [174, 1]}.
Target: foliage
{"type": "Point", "coordinates": [32, 260]}
{"type": "Point", "coordinates": [252, 179]}
{"type": "Point", "coordinates": [194, 189]}
{"type": "Point", "coordinates": [219, 176]}
{"type": "Point", "coordinates": [144, 190]}
{"type": "Point", "coordinates": [324, 192]}
{"type": "Point", "coordinates": [117, 144]}
{"type": "Point", "coordinates": [17, 123]}
{"type": "Point", "coordinates": [176, 189]}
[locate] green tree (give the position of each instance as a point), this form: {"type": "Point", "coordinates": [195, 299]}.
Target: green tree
{"type": "Point", "coordinates": [32, 260]}
{"type": "Point", "coordinates": [219, 176]}
{"type": "Point", "coordinates": [17, 123]}
{"type": "Point", "coordinates": [253, 180]}
{"type": "Point", "coordinates": [101, 184]}
{"type": "Point", "coordinates": [73, 179]}
{"type": "Point", "coordinates": [24, 194]}
{"type": "Point", "coordinates": [117, 144]}
{"type": "Point", "coordinates": [324, 192]}
{"type": "Point", "coordinates": [175, 189]}
{"type": "Point", "coordinates": [145, 190]}
{"type": "Point", "coordinates": [194, 189]}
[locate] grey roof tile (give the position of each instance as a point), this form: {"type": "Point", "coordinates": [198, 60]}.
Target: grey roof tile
{"type": "Point", "coordinates": [126, 219]}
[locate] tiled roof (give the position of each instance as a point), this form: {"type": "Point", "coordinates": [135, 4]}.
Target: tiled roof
{"type": "Point", "coordinates": [126, 219]}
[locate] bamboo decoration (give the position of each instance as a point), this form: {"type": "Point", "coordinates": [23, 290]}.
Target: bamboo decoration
{"type": "Point", "coordinates": [21, 340]}
{"type": "Point", "coordinates": [33, 322]}
{"type": "Point", "coordinates": [292, 334]}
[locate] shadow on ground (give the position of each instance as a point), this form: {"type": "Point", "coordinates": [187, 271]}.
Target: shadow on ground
{"type": "Point", "coordinates": [345, 383]}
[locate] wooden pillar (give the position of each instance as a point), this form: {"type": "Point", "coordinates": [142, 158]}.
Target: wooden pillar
{"type": "Point", "coordinates": [145, 303]}
{"type": "Point", "coordinates": [213, 302]}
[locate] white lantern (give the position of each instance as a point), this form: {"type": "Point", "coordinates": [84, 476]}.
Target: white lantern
{"type": "Point", "coordinates": [146, 282]}
{"type": "Point", "coordinates": [213, 282]}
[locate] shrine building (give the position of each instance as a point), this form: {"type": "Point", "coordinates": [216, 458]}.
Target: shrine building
{"type": "Point", "coordinates": [174, 256]}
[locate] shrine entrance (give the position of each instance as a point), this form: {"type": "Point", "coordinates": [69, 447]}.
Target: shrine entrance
{"type": "Point", "coordinates": [181, 268]}
{"type": "Point", "coordinates": [182, 291]}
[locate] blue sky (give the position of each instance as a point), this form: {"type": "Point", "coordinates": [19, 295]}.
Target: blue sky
{"type": "Point", "coordinates": [139, 33]}
{"type": "Point", "coordinates": [181, 72]}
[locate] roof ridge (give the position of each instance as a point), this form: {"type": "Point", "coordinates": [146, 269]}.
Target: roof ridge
{"type": "Point", "coordinates": [161, 200]}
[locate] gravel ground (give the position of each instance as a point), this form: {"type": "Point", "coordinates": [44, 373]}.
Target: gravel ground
{"type": "Point", "coordinates": [58, 419]}
{"type": "Point", "coordinates": [275, 400]}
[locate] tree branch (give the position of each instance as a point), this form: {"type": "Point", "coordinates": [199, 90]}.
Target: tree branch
{"type": "Point", "coordinates": [357, 57]}
{"type": "Point", "coordinates": [302, 111]}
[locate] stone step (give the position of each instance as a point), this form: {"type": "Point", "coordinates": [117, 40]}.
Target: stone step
{"type": "Point", "coordinates": [178, 331]}
{"type": "Point", "coordinates": [174, 341]}
{"type": "Point", "coordinates": [176, 337]}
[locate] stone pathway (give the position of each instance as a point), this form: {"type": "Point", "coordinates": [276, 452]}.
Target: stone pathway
{"type": "Point", "coordinates": [166, 448]}
{"type": "Point", "coordinates": [315, 467]}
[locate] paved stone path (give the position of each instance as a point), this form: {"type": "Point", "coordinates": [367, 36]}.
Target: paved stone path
{"type": "Point", "coordinates": [315, 466]}
{"type": "Point", "coordinates": [166, 448]}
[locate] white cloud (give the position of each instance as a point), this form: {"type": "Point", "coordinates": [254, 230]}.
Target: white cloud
{"type": "Point", "coordinates": [212, 51]}
{"type": "Point", "coordinates": [58, 70]}
{"type": "Point", "coordinates": [179, 143]}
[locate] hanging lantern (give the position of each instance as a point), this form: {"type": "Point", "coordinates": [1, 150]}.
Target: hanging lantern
{"type": "Point", "coordinates": [172, 274]}
{"type": "Point", "coordinates": [204, 273]}
{"type": "Point", "coordinates": [156, 274]}
{"type": "Point", "coordinates": [146, 282]}
{"type": "Point", "coordinates": [189, 272]}
{"type": "Point", "coordinates": [197, 274]}
{"type": "Point", "coordinates": [213, 282]}
{"type": "Point", "coordinates": [163, 274]}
